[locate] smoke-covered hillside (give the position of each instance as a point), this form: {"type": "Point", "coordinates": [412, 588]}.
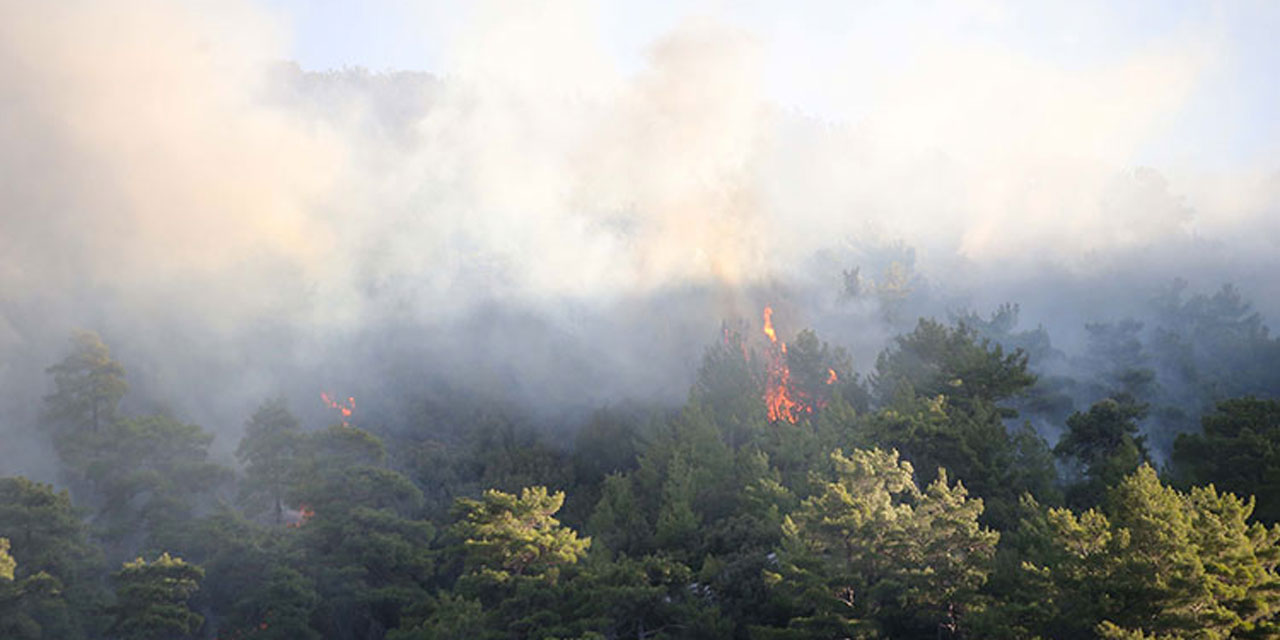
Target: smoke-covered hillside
{"type": "Point", "coordinates": [1036, 246]}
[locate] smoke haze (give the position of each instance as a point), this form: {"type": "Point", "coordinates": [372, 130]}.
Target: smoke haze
{"type": "Point", "coordinates": [543, 224]}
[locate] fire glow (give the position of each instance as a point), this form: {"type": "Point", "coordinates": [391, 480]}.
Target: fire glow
{"type": "Point", "coordinates": [304, 514]}
{"type": "Point", "coordinates": [783, 400]}
{"type": "Point", "coordinates": [344, 409]}
{"type": "Point", "coordinates": [778, 391]}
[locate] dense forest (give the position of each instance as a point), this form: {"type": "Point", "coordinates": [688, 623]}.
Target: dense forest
{"type": "Point", "coordinates": [789, 497]}
{"type": "Point", "coordinates": [574, 319]}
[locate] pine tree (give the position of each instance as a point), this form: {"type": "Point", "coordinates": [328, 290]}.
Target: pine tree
{"type": "Point", "coordinates": [871, 552]}
{"type": "Point", "coordinates": [268, 452]}
{"type": "Point", "coordinates": [151, 599]}
{"type": "Point", "coordinates": [506, 534]}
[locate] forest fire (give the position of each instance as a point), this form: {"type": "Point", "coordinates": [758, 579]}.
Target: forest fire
{"type": "Point", "coordinates": [783, 399]}
{"type": "Point", "coordinates": [345, 409]}
{"type": "Point", "coordinates": [301, 517]}
{"type": "Point", "coordinates": [778, 392]}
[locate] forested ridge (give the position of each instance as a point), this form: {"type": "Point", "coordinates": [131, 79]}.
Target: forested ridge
{"type": "Point", "coordinates": [971, 484]}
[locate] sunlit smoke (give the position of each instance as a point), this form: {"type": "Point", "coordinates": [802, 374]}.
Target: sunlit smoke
{"type": "Point", "coordinates": [220, 215]}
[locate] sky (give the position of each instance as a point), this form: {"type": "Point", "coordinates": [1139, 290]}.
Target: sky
{"type": "Point", "coordinates": [813, 50]}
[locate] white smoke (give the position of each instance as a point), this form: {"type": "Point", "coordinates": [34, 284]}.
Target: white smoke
{"type": "Point", "coordinates": [221, 216]}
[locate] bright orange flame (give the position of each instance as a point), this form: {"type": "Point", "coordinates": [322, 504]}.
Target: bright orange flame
{"type": "Point", "coordinates": [778, 393]}
{"type": "Point", "coordinates": [345, 409]}
{"type": "Point", "coordinates": [783, 400]}
{"type": "Point", "coordinates": [768, 325]}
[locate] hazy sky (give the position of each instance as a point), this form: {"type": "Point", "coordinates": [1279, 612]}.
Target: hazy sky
{"type": "Point", "coordinates": [814, 51]}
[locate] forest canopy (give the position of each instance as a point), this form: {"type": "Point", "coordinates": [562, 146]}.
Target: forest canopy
{"type": "Point", "coordinates": [788, 497]}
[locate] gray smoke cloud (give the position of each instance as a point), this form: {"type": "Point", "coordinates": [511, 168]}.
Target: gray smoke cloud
{"type": "Point", "coordinates": [538, 225]}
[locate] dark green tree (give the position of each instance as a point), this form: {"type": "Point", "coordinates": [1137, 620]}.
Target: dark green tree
{"type": "Point", "coordinates": [19, 597]}
{"type": "Point", "coordinates": [448, 616]}
{"type": "Point", "coordinates": [269, 451]}
{"type": "Point", "coordinates": [935, 359]}
{"type": "Point", "coordinates": [278, 607]}
{"type": "Point", "coordinates": [367, 556]}
{"type": "Point", "coordinates": [944, 397]}
{"type": "Point", "coordinates": [1238, 450]}
{"type": "Point", "coordinates": [1104, 446]}
{"type": "Point", "coordinates": [730, 384]}
{"type": "Point", "coordinates": [57, 567]}
{"type": "Point", "coordinates": [992, 461]}
{"type": "Point", "coordinates": [149, 475]}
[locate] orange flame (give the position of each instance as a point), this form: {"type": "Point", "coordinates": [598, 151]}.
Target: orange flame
{"type": "Point", "coordinates": [768, 325]}
{"type": "Point", "coordinates": [783, 401]}
{"type": "Point", "coordinates": [305, 513]}
{"type": "Point", "coordinates": [778, 393]}
{"type": "Point", "coordinates": [345, 409]}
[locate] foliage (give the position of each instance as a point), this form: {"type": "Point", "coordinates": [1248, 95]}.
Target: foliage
{"type": "Point", "coordinates": [149, 475]}
{"type": "Point", "coordinates": [89, 386]}
{"type": "Point", "coordinates": [941, 391]}
{"type": "Point", "coordinates": [973, 445]}
{"type": "Point", "coordinates": [57, 566]}
{"type": "Point", "coordinates": [268, 452]}
{"type": "Point", "coordinates": [705, 520]}
{"type": "Point", "coordinates": [870, 552]}
{"type": "Point", "coordinates": [1157, 562]}
{"type": "Point", "coordinates": [447, 616]}
{"type": "Point", "coordinates": [1104, 445]}
{"type": "Point", "coordinates": [151, 599]}
{"type": "Point", "coordinates": [506, 534]}
{"type": "Point", "coordinates": [1238, 451]}
{"type": "Point", "coordinates": [938, 360]}
{"type": "Point", "coordinates": [7, 563]}
{"type": "Point", "coordinates": [19, 598]}
{"type": "Point", "coordinates": [368, 558]}
{"type": "Point", "coordinates": [279, 607]}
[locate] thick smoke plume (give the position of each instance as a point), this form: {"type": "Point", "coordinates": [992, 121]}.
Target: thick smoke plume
{"type": "Point", "coordinates": [538, 224]}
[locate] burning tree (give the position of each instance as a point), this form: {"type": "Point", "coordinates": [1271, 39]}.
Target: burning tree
{"type": "Point", "coordinates": [796, 386]}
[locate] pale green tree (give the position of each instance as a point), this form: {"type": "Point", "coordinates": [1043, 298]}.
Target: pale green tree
{"type": "Point", "coordinates": [152, 599]}
{"type": "Point", "coordinates": [1156, 563]}
{"type": "Point", "coordinates": [870, 553]}
{"type": "Point", "coordinates": [517, 535]}
{"type": "Point", "coordinates": [88, 385]}
{"type": "Point", "coordinates": [7, 563]}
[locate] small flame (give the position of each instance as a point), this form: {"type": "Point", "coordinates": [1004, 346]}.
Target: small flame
{"type": "Point", "coordinates": [305, 514]}
{"type": "Point", "coordinates": [779, 400]}
{"type": "Point", "coordinates": [768, 325]}
{"type": "Point", "coordinates": [345, 409]}
{"type": "Point", "coordinates": [832, 378]}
